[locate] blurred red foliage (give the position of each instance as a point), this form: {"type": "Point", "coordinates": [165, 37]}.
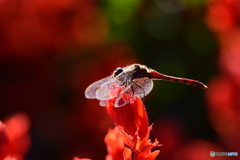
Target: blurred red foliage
{"type": "Point", "coordinates": [47, 50]}
{"type": "Point", "coordinates": [39, 37]}
{"type": "Point", "coordinates": [223, 17]}
{"type": "Point", "coordinates": [178, 146]}
{"type": "Point", "coordinates": [33, 28]}
{"type": "Point", "coordinates": [198, 149]}
{"type": "Point", "coordinates": [14, 137]}
{"type": "Point", "coordinates": [4, 140]}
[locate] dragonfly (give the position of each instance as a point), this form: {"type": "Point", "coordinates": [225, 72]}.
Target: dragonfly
{"type": "Point", "coordinates": [132, 80]}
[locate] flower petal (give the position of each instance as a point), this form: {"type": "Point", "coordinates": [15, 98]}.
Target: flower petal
{"type": "Point", "coordinates": [115, 144]}
{"type": "Point", "coordinates": [127, 154]}
{"type": "Point", "coordinates": [131, 117]}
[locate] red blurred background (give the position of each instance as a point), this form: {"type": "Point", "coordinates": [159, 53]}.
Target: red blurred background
{"type": "Point", "coordinates": [50, 51]}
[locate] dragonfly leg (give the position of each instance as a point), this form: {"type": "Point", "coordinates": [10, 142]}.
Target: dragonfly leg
{"type": "Point", "coordinates": [137, 86]}
{"type": "Point", "coordinates": [123, 84]}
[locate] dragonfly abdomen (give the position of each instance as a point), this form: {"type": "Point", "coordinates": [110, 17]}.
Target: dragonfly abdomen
{"type": "Point", "coordinates": [156, 75]}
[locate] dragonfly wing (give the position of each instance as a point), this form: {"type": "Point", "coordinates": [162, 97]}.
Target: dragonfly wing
{"type": "Point", "coordinates": [91, 90]}
{"type": "Point", "coordinates": [108, 89]}
{"type": "Point", "coordinates": [124, 97]}
{"type": "Point", "coordinates": [120, 101]}
{"type": "Point", "coordinates": [142, 86]}
{"type": "Point", "coordinates": [103, 103]}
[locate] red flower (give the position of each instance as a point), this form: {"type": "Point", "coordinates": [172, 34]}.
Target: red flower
{"type": "Point", "coordinates": [130, 138]}
{"type": "Point", "coordinates": [132, 116]}
{"type": "Point", "coordinates": [132, 128]}
{"type": "Point", "coordinates": [133, 148]}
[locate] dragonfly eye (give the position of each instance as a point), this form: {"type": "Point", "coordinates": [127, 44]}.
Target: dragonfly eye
{"type": "Point", "coordinates": [117, 71]}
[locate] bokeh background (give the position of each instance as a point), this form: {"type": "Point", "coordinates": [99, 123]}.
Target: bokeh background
{"type": "Point", "coordinates": [50, 51]}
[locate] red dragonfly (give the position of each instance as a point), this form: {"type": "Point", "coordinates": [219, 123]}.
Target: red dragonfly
{"type": "Point", "coordinates": [133, 80]}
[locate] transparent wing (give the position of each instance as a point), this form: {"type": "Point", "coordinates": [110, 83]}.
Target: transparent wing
{"type": "Point", "coordinates": [122, 100]}
{"type": "Point", "coordinates": [108, 89]}
{"type": "Point", "coordinates": [91, 90]}
{"type": "Point", "coordinates": [103, 103]}
{"type": "Point", "coordinates": [142, 86]}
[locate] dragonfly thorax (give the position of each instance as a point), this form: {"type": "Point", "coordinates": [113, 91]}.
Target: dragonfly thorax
{"type": "Point", "coordinates": [139, 72]}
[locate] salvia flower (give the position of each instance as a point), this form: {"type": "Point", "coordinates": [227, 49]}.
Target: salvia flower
{"type": "Point", "coordinates": [132, 116]}
{"type": "Point", "coordinates": [130, 138]}
{"type": "Point", "coordinates": [134, 148]}
{"type": "Point", "coordinates": [133, 128]}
